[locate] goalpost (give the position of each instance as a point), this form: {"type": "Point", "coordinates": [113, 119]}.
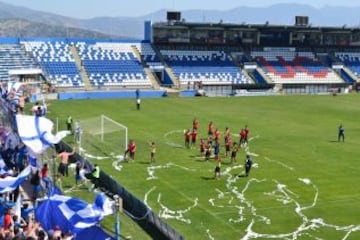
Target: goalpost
{"type": "Point", "coordinates": [101, 137]}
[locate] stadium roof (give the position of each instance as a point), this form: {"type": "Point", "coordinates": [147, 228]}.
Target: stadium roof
{"type": "Point", "coordinates": [256, 27]}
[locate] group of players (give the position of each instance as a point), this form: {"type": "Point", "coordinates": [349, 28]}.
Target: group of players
{"type": "Point", "coordinates": [210, 147]}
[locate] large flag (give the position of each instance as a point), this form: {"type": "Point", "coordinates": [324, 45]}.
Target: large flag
{"type": "Point", "coordinates": [93, 232]}
{"type": "Point", "coordinates": [35, 132]}
{"type": "Point", "coordinates": [4, 170]}
{"type": "Point", "coordinates": [17, 208]}
{"type": "Point", "coordinates": [69, 213]}
{"type": "Point", "coordinates": [8, 184]}
{"type": "Point", "coordinates": [13, 85]}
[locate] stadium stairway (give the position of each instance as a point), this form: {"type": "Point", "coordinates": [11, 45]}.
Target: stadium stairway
{"type": "Point", "coordinates": [168, 69]}
{"type": "Point", "coordinates": [172, 75]}
{"type": "Point", "coordinates": [262, 73]}
{"type": "Point", "coordinates": [351, 73]}
{"type": "Point", "coordinates": [147, 70]}
{"type": "Point", "coordinates": [82, 71]}
{"type": "Point", "coordinates": [152, 78]}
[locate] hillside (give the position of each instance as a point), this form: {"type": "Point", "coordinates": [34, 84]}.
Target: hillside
{"type": "Point", "coordinates": [133, 27]}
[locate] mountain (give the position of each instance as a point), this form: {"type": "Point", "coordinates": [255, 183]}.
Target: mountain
{"type": "Point", "coordinates": [133, 27]}
{"type": "Point", "coordinates": [24, 28]}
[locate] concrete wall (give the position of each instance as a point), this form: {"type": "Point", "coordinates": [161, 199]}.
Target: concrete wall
{"type": "Point", "coordinates": [112, 94]}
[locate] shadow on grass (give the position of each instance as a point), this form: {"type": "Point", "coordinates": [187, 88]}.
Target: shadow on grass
{"type": "Point", "coordinates": [202, 160]}
{"type": "Point", "coordinates": [241, 175]}
{"type": "Point", "coordinates": [207, 178]}
{"type": "Point", "coordinates": [143, 162]}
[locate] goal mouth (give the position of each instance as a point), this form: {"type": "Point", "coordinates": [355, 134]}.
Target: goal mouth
{"type": "Point", "coordinates": [101, 137]}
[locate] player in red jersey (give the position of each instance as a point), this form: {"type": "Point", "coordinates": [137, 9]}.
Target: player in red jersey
{"type": "Point", "coordinates": [131, 150]}
{"type": "Point", "coordinates": [193, 137]}
{"type": "Point", "coordinates": [246, 133]}
{"type": "Point", "coordinates": [242, 136]}
{"type": "Point", "coordinates": [227, 134]}
{"type": "Point", "coordinates": [217, 135]}
{"type": "Point", "coordinates": [211, 128]}
{"type": "Point", "coordinates": [202, 148]}
{"type": "Point", "coordinates": [228, 144]}
{"type": "Point", "coordinates": [195, 123]}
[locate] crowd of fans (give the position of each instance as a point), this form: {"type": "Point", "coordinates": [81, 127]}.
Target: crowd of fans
{"type": "Point", "coordinates": [15, 224]}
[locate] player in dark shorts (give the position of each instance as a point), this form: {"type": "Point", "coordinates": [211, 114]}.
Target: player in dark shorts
{"type": "Point", "coordinates": [341, 133]}
{"type": "Point", "coordinates": [234, 150]}
{"type": "Point", "coordinates": [248, 164]}
{"type": "Point", "coordinates": [202, 148]}
{"type": "Point", "coordinates": [217, 171]}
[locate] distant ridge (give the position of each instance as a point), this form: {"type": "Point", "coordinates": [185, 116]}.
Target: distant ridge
{"type": "Point", "coordinates": [132, 27]}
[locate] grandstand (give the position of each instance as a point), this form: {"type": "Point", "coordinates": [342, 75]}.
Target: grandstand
{"type": "Point", "coordinates": [56, 61]}
{"type": "Point", "coordinates": [112, 64]}
{"type": "Point", "coordinates": [195, 56]}
{"type": "Point", "coordinates": [13, 57]}
{"type": "Point", "coordinates": [287, 65]}
{"type": "Point", "coordinates": [208, 67]}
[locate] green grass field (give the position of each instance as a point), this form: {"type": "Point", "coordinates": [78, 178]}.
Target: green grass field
{"type": "Point", "coordinates": [304, 183]}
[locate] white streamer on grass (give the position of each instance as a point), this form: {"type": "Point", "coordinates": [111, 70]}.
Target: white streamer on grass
{"type": "Point", "coordinates": [247, 211]}
{"type": "Point", "coordinates": [209, 234]}
{"type": "Point", "coordinates": [151, 170]}
{"type": "Point", "coordinates": [167, 213]}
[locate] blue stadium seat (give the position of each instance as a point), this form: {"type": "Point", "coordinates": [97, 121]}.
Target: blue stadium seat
{"type": "Point", "coordinates": [57, 62]}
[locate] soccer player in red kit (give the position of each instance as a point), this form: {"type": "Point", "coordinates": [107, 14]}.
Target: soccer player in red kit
{"type": "Point", "coordinates": [193, 137]}
{"type": "Point", "coordinates": [202, 147]}
{"type": "Point", "coordinates": [227, 134]}
{"type": "Point", "coordinates": [228, 144]}
{"type": "Point", "coordinates": [217, 135]}
{"type": "Point", "coordinates": [195, 124]}
{"type": "Point", "coordinates": [242, 136]}
{"type": "Point", "coordinates": [187, 135]}
{"type": "Point", "coordinates": [132, 149]}
{"type": "Point", "coordinates": [211, 128]}
{"type": "Point", "coordinates": [246, 133]}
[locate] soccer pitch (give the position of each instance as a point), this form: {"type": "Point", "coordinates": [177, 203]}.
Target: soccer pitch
{"type": "Point", "coordinates": [303, 184]}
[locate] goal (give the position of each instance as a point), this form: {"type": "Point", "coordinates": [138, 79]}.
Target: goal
{"type": "Point", "coordinates": [101, 137]}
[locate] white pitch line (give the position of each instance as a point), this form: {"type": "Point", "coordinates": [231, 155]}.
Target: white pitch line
{"type": "Point", "coordinates": [170, 143]}
{"type": "Point", "coordinates": [147, 196]}
{"type": "Point", "coordinates": [279, 163]}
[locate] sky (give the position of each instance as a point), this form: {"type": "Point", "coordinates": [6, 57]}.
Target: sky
{"type": "Point", "coordinates": [116, 8]}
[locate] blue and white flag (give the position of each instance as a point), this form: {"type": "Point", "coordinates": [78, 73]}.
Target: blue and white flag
{"type": "Point", "coordinates": [17, 208]}
{"type": "Point", "coordinates": [94, 232]}
{"type": "Point", "coordinates": [4, 170]}
{"type": "Point", "coordinates": [104, 203]}
{"type": "Point", "coordinates": [13, 85]}
{"type": "Point", "coordinates": [9, 184]}
{"type": "Point", "coordinates": [69, 213]}
{"type": "Point", "coordinates": [36, 132]}
{"type": "Point", "coordinates": [32, 160]}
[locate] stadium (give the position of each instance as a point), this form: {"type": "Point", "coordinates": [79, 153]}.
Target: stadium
{"type": "Point", "coordinates": [291, 86]}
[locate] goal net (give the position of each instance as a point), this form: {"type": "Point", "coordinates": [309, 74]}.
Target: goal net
{"type": "Point", "coordinates": [101, 137]}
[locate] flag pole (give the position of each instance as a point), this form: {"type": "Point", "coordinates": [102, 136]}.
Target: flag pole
{"type": "Point", "coordinates": [118, 208]}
